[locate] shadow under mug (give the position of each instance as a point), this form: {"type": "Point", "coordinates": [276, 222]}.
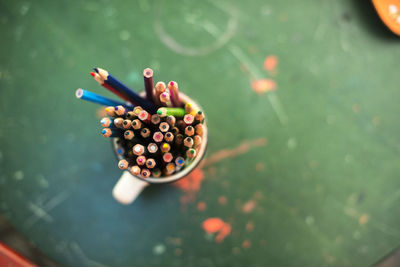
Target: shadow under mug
{"type": "Point", "coordinates": [128, 187]}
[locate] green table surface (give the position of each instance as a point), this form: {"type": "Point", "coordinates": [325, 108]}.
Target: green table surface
{"type": "Point", "coordinates": [308, 174]}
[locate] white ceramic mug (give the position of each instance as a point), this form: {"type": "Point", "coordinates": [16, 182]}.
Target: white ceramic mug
{"type": "Point", "coordinates": [128, 187]}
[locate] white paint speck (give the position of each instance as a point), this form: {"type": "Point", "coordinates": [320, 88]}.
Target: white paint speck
{"type": "Point", "coordinates": [24, 8]}
{"type": "Point", "coordinates": [42, 181]}
{"type": "Point", "coordinates": [292, 143]}
{"type": "Point", "coordinates": [124, 35]}
{"type": "Point", "coordinates": [393, 9]}
{"type": "Point", "coordinates": [330, 119]}
{"type": "Point", "coordinates": [19, 175]}
{"type": "Point", "coordinates": [348, 158]}
{"type": "Point", "coordinates": [309, 220]}
{"type": "Point", "coordinates": [159, 249]}
{"type": "Point", "coordinates": [266, 10]}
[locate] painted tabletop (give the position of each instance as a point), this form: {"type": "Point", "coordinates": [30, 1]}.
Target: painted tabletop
{"type": "Point", "coordinates": [302, 103]}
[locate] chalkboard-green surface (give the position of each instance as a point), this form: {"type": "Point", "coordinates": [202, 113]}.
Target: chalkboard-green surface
{"type": "Point", "coordinates": [301, 97]}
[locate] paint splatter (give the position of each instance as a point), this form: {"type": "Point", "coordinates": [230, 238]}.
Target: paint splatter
{"type": "Point", "coordinates": [249, 226]}
{"type": "Point", "coordinates": [243, 148]}
{"type": "Point", "coordinates": [259, 166]}
{"type": "Point", "coordinates": [249, 206]}
{"type": "Point", "coordinates": [364, 218]}
{"type": "Point", "coordinates": [263, 86]}
{"type": "Point", "coordinates": [376, 120]}
{"type": "Point", "coordinates": [19, 175]}
{"type": "Point", "coordinates": [159, 249]}
{"type": "Point", "coordinates": [246, 244]}
{"type": "Point", "coordinates": [190, 184]}
{"type": "Point", "coordinates": [201, 206]}
{"type": "Point", "coordinates": [222, 200]}
{"type": "Point", "coordinates": [178, 252]}
{"type": "Point", "coordinates": [270, 63]}
{"type": "Point", "coordinates": [356, 108]}
{"type": "Point", "coordinates": [101, 113]}
{"type": "Point", "coordinates": [217, 226]}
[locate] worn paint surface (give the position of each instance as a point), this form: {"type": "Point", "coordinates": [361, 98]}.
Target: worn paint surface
{"type": "Point", "coordinates": [302, 105]}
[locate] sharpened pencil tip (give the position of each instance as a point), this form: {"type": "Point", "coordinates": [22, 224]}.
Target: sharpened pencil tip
{"type": "Point", "coordinates": [92, 73]}
{"type": "Point", "coordinates": [96, 70]}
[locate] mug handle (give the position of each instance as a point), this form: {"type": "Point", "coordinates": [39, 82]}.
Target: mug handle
{"type": "Point", "coordinates": [128, 188]}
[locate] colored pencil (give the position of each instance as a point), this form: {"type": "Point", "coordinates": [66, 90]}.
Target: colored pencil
{"type": "Point", "coordinates": [197, 141]}
{"type": "Point", "coordinates": [145, 132]}
{"type": "Point", "coordinates": [95, 98]}
{"type": "Point", "coordinates": [138, 149]}
{"type": "Point", "coordinates": [189, 130]}
{"type": "Point", "coordinates": [158, 137]}
{"type": "Point", "coordinates": [164, 127]}
{"type": "Point", "coordinates": [150, 163]}
{"type": "Point", "coordinates": [165, 147]}
{"type": "Point", "coordinates": [141, 160]}
{"type": "Point", "coordinates": [129, 135]}
{"type": "Point", "coordinates": [148, 83]}
{"type": "Point", "coordinates": [188, 119]}
{"type": "Point", "coordinates": [169, 137]}
{"type": "Point", "coordinates": [145, 173]}
{"type": "Point", "coordinates": [123, 164]}
{"type": "Point", "coordinates": [98, 79]}
{"type": "Point", "coordinates": [136, 124]}
{"type": "Point", "coordinates": [106, 122]}
{"type": "Point", "coordinates": [188, 142]}
{"type": "Point", "coordinates": [167, 157]}
{"type": "Point", "coordinates": [107, 132]}
{"type": "Point", "coordinates": [152, 148]}
{"type": "Point", "coordinates": [177, 112]}
{"type": "Point", "coordinates": [159, 88]}
{"type": "Point", "coordinates": [179, 161]}
{"type": "Point", "coordinates": [174, 92]}
{"type": "Point", "coordinates": [135, 170]}
{"type": "Point", "coordinates": [116, 84]}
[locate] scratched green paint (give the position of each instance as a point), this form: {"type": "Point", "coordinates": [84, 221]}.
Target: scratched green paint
{"type": "Point", "coordinates": [332, 129]}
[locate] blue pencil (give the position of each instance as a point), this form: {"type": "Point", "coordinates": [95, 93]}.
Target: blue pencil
{"type": "Point", "coordinates": [95, 98]}
{"type": "Point", "coordinates": [116, 84]}
{"type": "Point", "coordinates": [107, 132]}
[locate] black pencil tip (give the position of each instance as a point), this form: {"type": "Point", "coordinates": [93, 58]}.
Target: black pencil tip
{"type": "Point", "coordinates": [96, 70]}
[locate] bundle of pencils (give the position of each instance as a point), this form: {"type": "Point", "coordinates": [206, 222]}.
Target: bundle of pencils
{"type": "Point", "coordinates": [158, 134]}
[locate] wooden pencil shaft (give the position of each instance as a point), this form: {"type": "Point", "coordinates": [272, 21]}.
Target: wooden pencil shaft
{"type": "Point", "coordinates": [174, 92]}
{"type": "Point", "coordinates": [118, 85]}
{"type": "Point", "coordinates": [148, 83]}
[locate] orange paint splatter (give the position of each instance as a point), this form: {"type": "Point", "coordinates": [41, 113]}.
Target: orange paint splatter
{"type": "Point", "coordinates": [249, 206]}
{"type": "Point", "coordinates": [190, 184]}
{"type": "Point", "coordinates": [246, 244]}
{"type": "Point", "coordinates": [216, 225]}
{"type": "Point", "coordinates": [243, 148]}
{"type": "Point", "coordinates": [258, 195]}
{"type": "Point", "coordinates": [249, 227]}
{"type": "Point", "coordinates": [222, 200]}
{"type": "Point", "coordinates": [263, 86]}
{"type": "Point", "coordinates": [364, 218]}
{"type": "Point", "coordinates": [376, 120]}
{"type": "Point", "coordinates": [356, 108]}
{"type": "Point", "coordinates": [101, 113]}
{"type": "Point", "coordinates": [270, 63]}
{"type": "Point", "coordinates": [259, 166]}
{"type": "Point", "coordinates": [201, 206]}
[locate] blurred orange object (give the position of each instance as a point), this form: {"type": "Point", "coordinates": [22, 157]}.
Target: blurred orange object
{"type": "Point", "coordinates": [8, 257]}
{"type": "Point", "coordinates": [389, 12]}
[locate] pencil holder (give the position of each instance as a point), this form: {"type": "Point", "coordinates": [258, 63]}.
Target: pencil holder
{"type": "Point", "coordinates": [129, 186]}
